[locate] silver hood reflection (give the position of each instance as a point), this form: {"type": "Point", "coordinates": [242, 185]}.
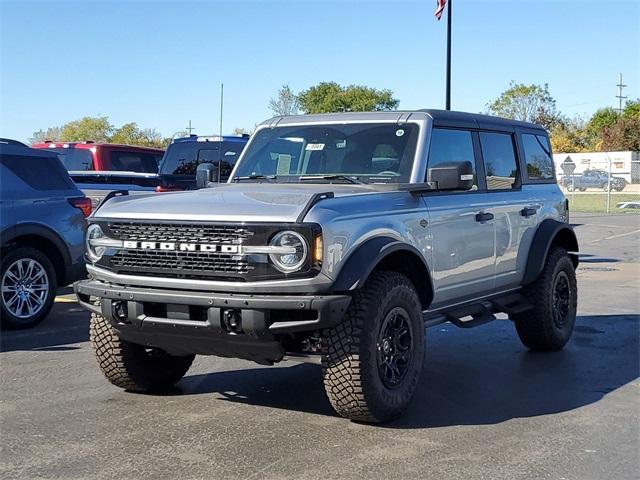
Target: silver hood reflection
{"type": "Point", "coordinates": [246, 202]}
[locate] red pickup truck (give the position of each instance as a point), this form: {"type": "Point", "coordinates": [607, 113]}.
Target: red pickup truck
{"type": "Point", "coordinates": [97, 157]}
{"type": "Point", "coordinates": [99, 168]}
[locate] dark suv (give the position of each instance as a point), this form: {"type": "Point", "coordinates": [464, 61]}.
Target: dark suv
{"type": "Point", "coordinates": [42, 224]}
{"type": "Point", "coordinates": [183, 155]}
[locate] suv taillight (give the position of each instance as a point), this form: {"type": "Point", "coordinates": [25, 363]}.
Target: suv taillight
{"type": "Point", "coordinates": [83, 203]}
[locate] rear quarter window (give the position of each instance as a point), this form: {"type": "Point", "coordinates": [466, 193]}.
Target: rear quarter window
{"type": "Point", "coordinates": [537, 152]}
{"type": "Point", "coordinates": [138, 162]}
{"type": "Point", "coordinates": [40, 173]}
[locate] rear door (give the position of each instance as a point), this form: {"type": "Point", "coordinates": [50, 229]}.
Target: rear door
{"type": "Point", "coordinates": [463, 238]}
{"type": "Point", "coordinates": [514, 210]}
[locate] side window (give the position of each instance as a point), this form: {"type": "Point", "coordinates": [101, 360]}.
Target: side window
{"type": "Point", "coordinates": [538, 155]}
{"type": "Point", "coordinates": [452, 146]}
{"type": "Point", "coordinates": [40, 173]}
{"type": "Point", "coordinates": [499, 160]}
{"type": "Point", "coordinates": [132, 162]}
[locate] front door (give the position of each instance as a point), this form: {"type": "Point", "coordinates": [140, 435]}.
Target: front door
{"type": "Point", "coordinates": [461, 227]}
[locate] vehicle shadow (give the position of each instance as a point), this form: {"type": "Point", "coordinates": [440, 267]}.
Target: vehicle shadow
{"type": "Point", "coordinates": [470, 378]}
{"type": "Point", "coordinates": [588, 258]}
{"type": "Point", "coordinates": [67, 324]}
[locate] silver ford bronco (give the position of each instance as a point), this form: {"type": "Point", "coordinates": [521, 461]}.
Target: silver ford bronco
{"type": "Point", "coordinates": [337, 239]}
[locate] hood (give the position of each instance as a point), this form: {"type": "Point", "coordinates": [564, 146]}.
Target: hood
{"type": "Point", "coordinates": [250, 202]}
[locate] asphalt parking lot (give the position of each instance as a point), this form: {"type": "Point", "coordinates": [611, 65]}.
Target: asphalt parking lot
{"type": "Point", "coordinates": [486, 408]}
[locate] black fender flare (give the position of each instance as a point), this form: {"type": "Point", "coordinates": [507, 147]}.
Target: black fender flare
{"type": "Point", "coordinates": [359, 265]}
{"type": "Point", "coordinates": [548, 232]}
{"type": "Point", "coordinates": [39, 230]}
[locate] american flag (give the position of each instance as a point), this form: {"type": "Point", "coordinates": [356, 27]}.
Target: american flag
{"type": "Point", "coordinates": [440, 8]}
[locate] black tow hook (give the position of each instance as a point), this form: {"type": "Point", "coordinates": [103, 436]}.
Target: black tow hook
{"type": "Point", "coordinates": [232, 320]}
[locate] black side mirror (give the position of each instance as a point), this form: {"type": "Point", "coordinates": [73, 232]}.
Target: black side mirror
{"type": "Point", "coordinates": [451, 176]}
{"type": "Point", "coordinates": [206, 173]}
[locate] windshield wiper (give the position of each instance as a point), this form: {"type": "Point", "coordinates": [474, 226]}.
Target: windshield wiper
{"type": "Point", "coordinates": [353, 180]}
{"type": "Point", "coordinates": [269, 178]}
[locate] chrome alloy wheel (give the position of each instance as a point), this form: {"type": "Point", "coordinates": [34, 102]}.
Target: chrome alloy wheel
{"type": "Point", "coordinates": [24, 288]}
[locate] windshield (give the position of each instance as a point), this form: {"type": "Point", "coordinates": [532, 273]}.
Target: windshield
{"type": "Point", "coordinates": [182, 158]}
{"type": "Point", "coordinates": [370, 153]}
{"type": "Point", "coordinates": [74, 158]}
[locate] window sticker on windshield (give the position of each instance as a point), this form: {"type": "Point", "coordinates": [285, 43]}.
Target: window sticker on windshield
{"type": "Point", "coordinates": [341, 144]}
{"type": "Point", "coordinates": [314, 147]}
{"type": "Point", "coordinates": [399, 132]}
{"type": "Point", "coordinates": [284, 164]}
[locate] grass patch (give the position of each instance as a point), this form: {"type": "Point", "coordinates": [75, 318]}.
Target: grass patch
{"type": "Point", "coordinates": [597, 203]}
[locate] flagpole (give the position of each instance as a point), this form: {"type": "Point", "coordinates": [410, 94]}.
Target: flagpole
{"type": "Point", "coordinates": [448, 103]}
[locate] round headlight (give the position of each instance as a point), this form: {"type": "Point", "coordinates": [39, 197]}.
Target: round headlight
{"type": "Point", "coordinates": [294, 251]}
{"type": "Point", "coordinates": [94, 252]}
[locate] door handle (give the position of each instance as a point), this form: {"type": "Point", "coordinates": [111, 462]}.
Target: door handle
{"type": "Point", "coordinates": [484, 216]}
{"type": "Point", "coordinates": [528, 211]}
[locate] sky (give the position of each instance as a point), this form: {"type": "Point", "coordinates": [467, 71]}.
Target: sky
{"type": "Point", "coordinates": [160, 64]}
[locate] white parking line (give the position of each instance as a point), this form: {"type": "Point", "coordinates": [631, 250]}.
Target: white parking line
{"type": "Point", "coordinates": [611, 237]}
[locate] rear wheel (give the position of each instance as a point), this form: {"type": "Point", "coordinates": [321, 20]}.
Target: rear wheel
{"type": "Point", "coordinates": [554, 296]}
{"type": "Point", "coordinates": [131, 366]}
{"type": "Point", "coordinates": [28, 288]}
{"type": "Point", "coordinates": [372, 361]}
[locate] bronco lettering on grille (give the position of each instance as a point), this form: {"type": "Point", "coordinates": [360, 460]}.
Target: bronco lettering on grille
{"type": "Point", "coordinates": [182, 247]}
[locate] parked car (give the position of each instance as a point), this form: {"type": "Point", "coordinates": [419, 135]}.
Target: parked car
{"type": "Point", "coordinates": [91, 157]}
{"type": "Point", "coordinates": [183, 155]}
{"type": "Point", "coordinates": [593, 179]}
{"type": "Point", "coordinates": [99, 168]}
{"type": "Point", "coordinates": [633, 204]}
{"type": "Point", "coordinates": [337, 239]}
{"type": "Point", "coordinates": [42, 224]}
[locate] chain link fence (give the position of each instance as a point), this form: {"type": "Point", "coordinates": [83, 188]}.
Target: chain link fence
{"type": "Point", "coordinates": [600, 182]}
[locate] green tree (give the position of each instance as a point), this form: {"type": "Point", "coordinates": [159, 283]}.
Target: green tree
{"type": "Point", "coordinates": [97, 129]}
{"type": "Point", "coordinates": [529, 103]}
{"type": "Point", "coordinates": [241, 131]}
{"type": "Point", "coordinates": [285, 103]}
{"type": "Point", "coordinates": [570, 135]}
{"type": "Point", "coordinates": [622, 136]}
{"type": "Point", "coordinates": [632, 109]}
{"type": "Point", "coordinates": [51, 133]}
{"type": "Point", "coordinates": [130, 134]}
{"type": "Point", "coordinates": [329, 97]}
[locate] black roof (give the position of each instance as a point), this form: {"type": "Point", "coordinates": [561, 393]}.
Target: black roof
{"type": "Point", "coordinates": [451, 118]}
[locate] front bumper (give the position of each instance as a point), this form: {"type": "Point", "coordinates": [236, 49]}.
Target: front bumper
{"type": "Point", "coordinates": [191, 322]}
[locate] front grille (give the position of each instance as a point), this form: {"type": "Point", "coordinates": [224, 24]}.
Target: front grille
{"type": "Point", "coordinates": [172, 232]}
{"type": "Point", "coordinates": [180, 264]}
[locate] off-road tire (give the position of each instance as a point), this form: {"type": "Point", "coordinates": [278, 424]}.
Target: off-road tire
{"type": "Point", "coordinates": [538, 328]}
{"type": "Point", "coordinates": [7, 319]}
{"type": "Point", "coordinates": [131, 366]}
{"type": "Point", "coordinates": [350, 351]}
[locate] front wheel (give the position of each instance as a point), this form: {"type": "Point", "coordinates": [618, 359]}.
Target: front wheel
{"type": "Point", "coordinates": [554, 296]}
{"type": "Point", "coordinates": [131, 366]}
{"type": "Point", "coordinates": [28, 288]}
{"type": "Point", "coordinates": [372, 361]}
